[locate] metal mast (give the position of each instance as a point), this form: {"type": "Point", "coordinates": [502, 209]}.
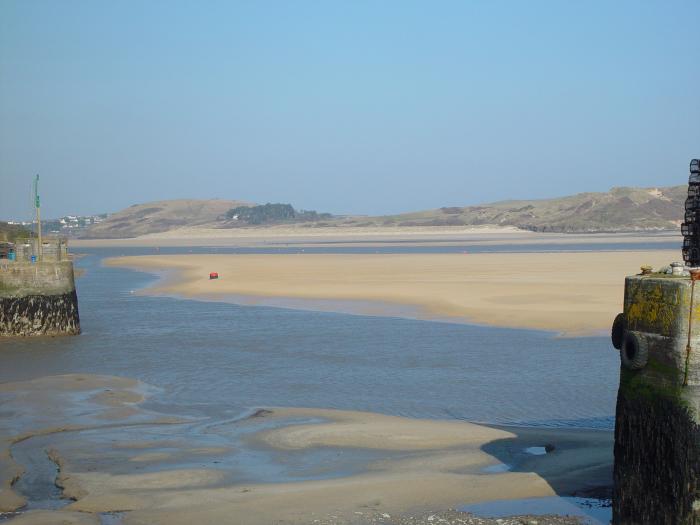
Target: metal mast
{"type": "Point", "coordinates": [37, 206]}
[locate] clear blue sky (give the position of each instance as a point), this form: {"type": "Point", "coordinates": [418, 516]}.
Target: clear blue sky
{"type": "Point", "coordinates": [348, 107]}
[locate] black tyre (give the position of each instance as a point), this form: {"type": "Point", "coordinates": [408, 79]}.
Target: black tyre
{"type": "Point", "coordinates": [617, 334]}
{"type": "Point", "coordinates": [635, 351]}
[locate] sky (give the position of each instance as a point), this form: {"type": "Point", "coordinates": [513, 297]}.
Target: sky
{"type": "Point", "coordinates": [353, 107]}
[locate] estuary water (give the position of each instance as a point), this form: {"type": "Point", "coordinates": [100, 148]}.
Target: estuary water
{"type": "Point", "coordinates": [217, 358]}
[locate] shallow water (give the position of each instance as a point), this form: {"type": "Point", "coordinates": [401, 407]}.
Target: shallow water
{"type": "Point", "coordinates": [592, 511]}
{"type": "Point", "coordinates": [226, 446]}
{"type": "Point", "coordinates": [38, 478]}
{"type": "Point", "coordinates": [221, 359]}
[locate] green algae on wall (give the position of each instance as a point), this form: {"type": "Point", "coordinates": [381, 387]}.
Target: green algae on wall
{"type": "Point", "coordinates": [653, 305]}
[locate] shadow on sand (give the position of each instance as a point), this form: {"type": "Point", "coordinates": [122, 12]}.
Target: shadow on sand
{"type": "Point", "coordinates": [577, 464]}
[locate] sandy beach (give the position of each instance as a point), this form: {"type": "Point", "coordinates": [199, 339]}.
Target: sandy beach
{"type": "Point", "coordinates": [359, 236]}
{"type": "Point", "coordinates": [568, 293]}
{"type": "Point", "coordinates": [197, 236]}
{"type": "Point", "coordinates": [425, 465]}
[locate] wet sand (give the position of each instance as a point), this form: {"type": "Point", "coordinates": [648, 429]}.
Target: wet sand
{"type": "Point", "coordinates": [569, 293]}
{"type": "Point", "coordinates": [62, 404]}
{"type": "Point", "coordinates": [424, 466]}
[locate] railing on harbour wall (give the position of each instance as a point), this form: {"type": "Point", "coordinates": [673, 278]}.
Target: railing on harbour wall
{"type": "Point", "coordinates": [27, 250]}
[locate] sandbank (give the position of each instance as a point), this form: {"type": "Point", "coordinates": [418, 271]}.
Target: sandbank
{"type": "Point", "coordinates": [568, 293]}
{"type": "Point", "coordinates": [441, 466]}
{"type": "Point", "coordinates": [426, 465]}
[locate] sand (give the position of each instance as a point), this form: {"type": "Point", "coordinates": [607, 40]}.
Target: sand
{"type": "Point", "coordinates": [194, 236]}
{"type": "Point", "coordinates": [38, 411]}
{"type": "Point", "coordinates": [47, 517]}
{"type": "Point", "coordinates": [428, 465]}
{"type": "Point", "coordinates": [441, 466]}
{"type": "Point", "coordinates": [63, 404]}
{"type": "Point", "coordinates": [368, 430]}
{"type": "Point", "coordinates": [569, 293]}
{"type": "Point", "coordinates": [359, 236]}
{"type": "Point", "coordinates": [424, 478]}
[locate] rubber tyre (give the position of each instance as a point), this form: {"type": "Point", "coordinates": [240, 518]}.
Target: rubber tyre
{"type": "Point", "coordinates": [634, 353]}
{"type": "Point", "coordinates": [617, 334]}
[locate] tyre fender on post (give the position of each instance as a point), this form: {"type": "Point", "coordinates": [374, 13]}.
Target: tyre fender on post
{"type": "Point", "coordinates": [617, 334]}
{"type": "Point", "coordinates": [635, 351]}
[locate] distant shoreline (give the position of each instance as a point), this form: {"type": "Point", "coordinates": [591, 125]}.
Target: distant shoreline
{"type": "Point", "coordinates": [369, 236]}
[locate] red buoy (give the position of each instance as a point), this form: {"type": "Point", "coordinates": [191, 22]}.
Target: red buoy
{"type": "Point", "coordinates": [213, 275]}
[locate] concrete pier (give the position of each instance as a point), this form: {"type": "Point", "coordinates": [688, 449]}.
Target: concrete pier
{"type": "Point", "coordinates": [38, 298]}
{"type": "Point", "coordinates": [657, 437]}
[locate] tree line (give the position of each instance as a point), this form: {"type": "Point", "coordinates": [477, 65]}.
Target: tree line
{"type": "Point", "coordinates": [271, 213]}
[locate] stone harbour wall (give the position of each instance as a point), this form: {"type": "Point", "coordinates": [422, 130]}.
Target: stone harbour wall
{"type": "Point", "coordinates": [38, 299]}
{"type": "Point", "coordinates": [656, 462]}
{"type": "Point", "coordinates": [657, 437]}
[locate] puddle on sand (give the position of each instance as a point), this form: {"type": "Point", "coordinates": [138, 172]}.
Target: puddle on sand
{"type": "Point", "coordinates": [536, 451]}
{"type": "Point", "coordinates": [505, 467]}
{"type": "Point", "coordinates": [593, 511]}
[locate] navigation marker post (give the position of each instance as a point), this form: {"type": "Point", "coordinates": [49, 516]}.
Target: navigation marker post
{"type": "Point", "coordinates": [37, 206]}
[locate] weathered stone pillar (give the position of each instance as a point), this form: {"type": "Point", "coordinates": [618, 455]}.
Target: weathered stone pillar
{"type": "Point", "coordinates": [657, 437]}
{"type": "Point", "coordinates": [38, 299]}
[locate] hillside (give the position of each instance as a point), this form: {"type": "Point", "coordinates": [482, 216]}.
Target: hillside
{"type": "Point", "coordinates": [9, 232]}
{"type": "Point", "coordinates": [160, 216]}
{"type": "Point", "coordinates": [620, 209]}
